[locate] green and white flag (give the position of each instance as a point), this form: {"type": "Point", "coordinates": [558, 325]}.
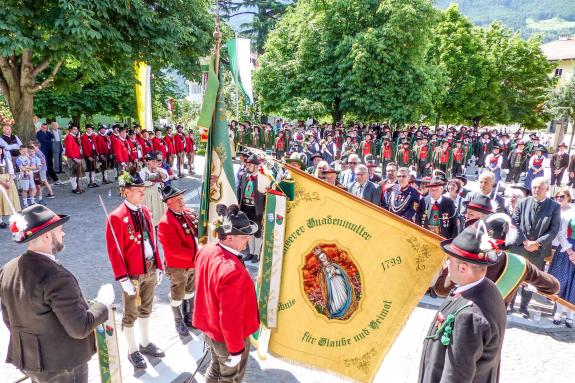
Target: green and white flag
{"type": "Point", "coordinates": [218, 184]}
{"type": "Point", "coordinates": [241, 66]}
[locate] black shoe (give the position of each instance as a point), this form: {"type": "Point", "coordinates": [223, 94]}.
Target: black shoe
{"type": "Point", "coordinates": [256, 259]}
{"type": "Point", "coordinates": [524, 312]}
{"type": "Point", "coordinates": [137, 360]}
{"type": "Point", "coordinates": [152, 350]}
{"type": "Point", "coordinates": [249, 257]}
{"type": "Point", "coordinates": [569, 323]}
{"type": "Point", "coordinates": [510, 310]}
{"type": "Point", "coordinates": [557, 322]}
{"type": "Point", "coordinates": [182, 329]}
{"type": "Point", "coordinates": [3, 225]}
{"type": "Point", "coordinates": [95, 185]}
{"type": "Point", "coordinates": [50, 196]}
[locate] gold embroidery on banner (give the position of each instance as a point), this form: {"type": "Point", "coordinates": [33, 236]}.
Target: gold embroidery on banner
{"type": "Point", "coordinates": [302, 195]}
{"type": "Point", "coordinates": [363, 362]}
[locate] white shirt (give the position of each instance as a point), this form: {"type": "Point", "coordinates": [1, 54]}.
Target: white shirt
{"type": "Point", "coordinates": [234, 252]}
{"type": "Point", "coordinates": [435, 200]}
{"type": "Point", "coordinates": [148, 250]}
{"type": "Point", "coordinates": [468, 286]}
{"type": "Point", "coordinates": [51, 256]}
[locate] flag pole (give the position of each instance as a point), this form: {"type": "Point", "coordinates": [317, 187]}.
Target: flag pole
{"type": "Point", "coordinates": [205, 200]}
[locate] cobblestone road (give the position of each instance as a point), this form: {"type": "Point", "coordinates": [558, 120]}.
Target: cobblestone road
{"type": "Point", "coordinates": [540, 353]}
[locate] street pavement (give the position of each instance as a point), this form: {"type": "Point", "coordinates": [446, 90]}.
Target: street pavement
{"type": "Point", "coordinates": [533, 351]}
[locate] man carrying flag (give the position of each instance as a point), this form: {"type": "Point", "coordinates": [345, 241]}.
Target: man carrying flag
{"type": "Point", "coordinates": [226, 309]}
{"type": "Point", "coordinates": [465, 339]}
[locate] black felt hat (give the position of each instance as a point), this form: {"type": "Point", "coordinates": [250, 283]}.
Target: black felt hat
{"type": "Point", "coordinates": [152, 155]}
{"type": "Point", "coordinates": [33, 222]}
{"type": "Point", "coordinates": [462, 178]}
{"type": "Point", "coordinates": [253, 159]}
{"type": "Point", "coordinates": [480, 203]}
{"type": "Point", "coordinates": [469, 246]}
{"type": "Point", "coordinates": [130, 179]}
{"type": "Point", "coordinates": [523, 188]}
{"type": "Point", "coordinates": [316, 155]}
{"type": "Point", "coordinates": [232, 221]}
{"type": "Point", "coordinates": [436, 181]}
{"type": "Point", "coordinates": [170, 192]}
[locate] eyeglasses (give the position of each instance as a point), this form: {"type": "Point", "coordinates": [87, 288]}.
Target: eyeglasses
{"type": "Point", "coordinates": [559, 196]}
{"type": "Point", "coordinates": [352, 163]}
{"type": "Point", "coordinates": [402, 176]}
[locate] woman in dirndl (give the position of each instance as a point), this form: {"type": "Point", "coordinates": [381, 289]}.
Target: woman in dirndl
{"type": "Point", "coordinates": [535, 166]}
{"type": "Point", "coordinates": [563, 263]}
{"type": "Point", "coordinates": [154, 176]}
{"type": "Point", "coordinates": [7, 183]}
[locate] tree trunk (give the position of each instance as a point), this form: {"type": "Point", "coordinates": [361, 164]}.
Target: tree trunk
{"type": "Point", "coordinates": [18, 83]}
{"type": "Point", "coordinates": [23, 113]}
{"type": "Point", "coordinates": [76, 120]}
{"type": "Point", "coordinates": [336, 112]}
{"type": "Point", "coordinates": [437, 120]}
{"type": "Point", "coordinates": [476, 121]}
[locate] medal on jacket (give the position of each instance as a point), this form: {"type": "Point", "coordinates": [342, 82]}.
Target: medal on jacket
{"type": "Point", "coordinates": [445, 219]}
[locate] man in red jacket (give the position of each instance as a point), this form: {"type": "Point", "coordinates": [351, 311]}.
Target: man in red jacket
{"type": "Point", "coordinates": [226, 310]}
{"type": "Point", "coordinates": [190, 151]}
{"type": "Point", "coordinates": [159, 144]}
{"type": "Point", "coordinates": [104, 152]}
{"type": "Point", "coordinates": [136, 264]}
{"type": "Point", "coordinates": [121, 148]}
{"type": "Point", "coordinates": [177, 231]}
{"type": "Point", "coordinates": [179, 148]}
{"type": "Point", "coordinates": [169, 140]}
{"type": "Point", "coordinates": [73, 153]}
{"type": "Point", "coordinates": [88, 142]}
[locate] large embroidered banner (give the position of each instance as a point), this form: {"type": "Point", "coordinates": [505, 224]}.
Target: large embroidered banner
{"type": "Point", "coordinates": [352, 274]}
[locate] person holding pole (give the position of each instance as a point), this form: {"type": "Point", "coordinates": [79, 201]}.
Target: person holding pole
{"type": "Point", "coordinates": [226, 309]}
{"type": "Point", "coordinates": [136, 263]}
{"type": "Point", "coordinates": [51, 324]}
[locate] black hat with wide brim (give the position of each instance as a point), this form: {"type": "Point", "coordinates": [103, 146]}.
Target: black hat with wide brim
{"type": "Point", "coordinates": [466, 247]}
{"type": "Point", "coordinates": [169, 192]}
{"type": "Point", "coordinates": [235, 222]}
{"type": "Point", "coordinates": [480, 203]}
{"type": "Point", "coordinates": [523, 188]}
{"type": "Point", "coordinates": [34, 221]}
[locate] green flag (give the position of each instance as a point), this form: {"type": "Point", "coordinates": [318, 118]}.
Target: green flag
{"type": "Point", "coordinates": [219, 185]}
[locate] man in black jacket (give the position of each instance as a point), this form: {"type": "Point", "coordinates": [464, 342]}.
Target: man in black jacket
{"type": "Point", "coordinates": [538, 220]}
{"type": "Point", "coordinates": [51, 325]}
{"type": "Point", "coordinates": [46, 139]}
{"type": "Point", "coordinates": [465, 338]}
{"type": "Point", "coordinates": [252, 203]}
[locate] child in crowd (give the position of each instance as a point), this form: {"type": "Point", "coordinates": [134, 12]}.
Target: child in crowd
{"type": "Point", "coordinates": [26, 177]}
{"type": "Point", "coordinates": [40, 175]}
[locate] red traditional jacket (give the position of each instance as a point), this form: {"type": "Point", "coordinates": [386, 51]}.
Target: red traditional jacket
{"type": "Point", "coordinates": [103, 144]}
{"type": "Point", "coordinates": [169, 140]}
{"type": "Point", "coordinates": [179, 142]}
{"type": "Point", "coordinates": [160, 145]}
{"type": "Point", "coordinates": [190, 144]}
{"type": "Point", "coordinates": [458, 155]}
{"type": "Point", "coordinates": [72, 147]}
{"type": "Point", "coordinates": [133, 145]}
{"type": "Point", "coordinates": [88, 144]}
{"type": "Point", "coordinates": [128, 259]}
{"type": "Point", "coordinates": [225, 307]}
{"type": "Point", "coordinates": [121, 149]}
{"type": "Point", "coordinates": [178, 242]}
{"type": "Point", "coordinates": [147, 146]}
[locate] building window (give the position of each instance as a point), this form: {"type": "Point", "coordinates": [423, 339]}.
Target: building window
{"type": "Point", "coordinates": [558, 72]}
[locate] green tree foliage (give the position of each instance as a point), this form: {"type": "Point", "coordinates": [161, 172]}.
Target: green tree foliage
{"type": "Point", "coordinates": [360, 56]}
{"type": "Point", "coordinates": [522, 73]}
{"type": "Point", "coordinates": [488, 75]}
{"type": "Point", "coordinates": [37, 37]}
{"type": "Point", "coordinates": [264, 16]}
{"type": "Point", "coordinates": [466, 82]}
{"type": "Point", "coordinates": [561, 105]}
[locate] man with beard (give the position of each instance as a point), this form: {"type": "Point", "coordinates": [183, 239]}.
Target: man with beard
{"type": "Point", "coordinates": [51, 325]}
{"type": "Point", "coordinates": [436, 212]}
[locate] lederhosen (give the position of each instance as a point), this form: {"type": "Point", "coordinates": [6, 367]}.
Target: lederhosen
{"type": "Point", "coordinates": [91, 165]}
